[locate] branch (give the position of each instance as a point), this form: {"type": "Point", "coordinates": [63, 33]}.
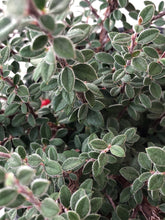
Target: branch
{"type": "Point", "coordinates": [161, 14]}
{"type": "Point", "coordinates": [111, 201]}
{"type": "Point", "coordinates": [94, 11]}
{"type": "Point", "coordinates": [4, 155]}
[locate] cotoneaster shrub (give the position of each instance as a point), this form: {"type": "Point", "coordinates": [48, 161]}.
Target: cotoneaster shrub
{"type": "Point", "coordinates": [82, 134]}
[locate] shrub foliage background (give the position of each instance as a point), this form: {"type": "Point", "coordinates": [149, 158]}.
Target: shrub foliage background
{"type": "Point", "coordinates": [96, 151]}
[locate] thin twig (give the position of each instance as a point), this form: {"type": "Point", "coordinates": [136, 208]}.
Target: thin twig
{"type": "Point", "coordinates": [161, 14]}
{"type": "Point", "coordinates": [94, 11]}
{"type": "Point", "coordinates": [111, 201]}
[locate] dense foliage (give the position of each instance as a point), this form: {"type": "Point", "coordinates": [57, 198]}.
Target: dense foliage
{"type": "Point", "coordinates": [82, 123]}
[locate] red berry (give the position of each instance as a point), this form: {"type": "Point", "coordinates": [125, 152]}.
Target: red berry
{"type": "Point", "coordinates": [45, 102]}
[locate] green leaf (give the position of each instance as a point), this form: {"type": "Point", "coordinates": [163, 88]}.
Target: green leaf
{"type": "Point", "coordinates": [117, 151]}
{"type": "Point", "coordinates": [7, 195]}
{"type": "Point", "coordinates": [4, 54]}
{"type": "Point", "coordinates": [155, 90]}
{"type": "Point", "coordinates": [7, 25]}
{"type": "Point", "coordinates": [39, 42]}
{"type": "Point", "coordinates": [162, 61]}
{"type": "Point", "coordinates": [162, 121]}
{"type": "Point", "coordinates": [11, 109]}
{"type": "Point", "coordinates": [155, 181]}
{"type": "Point", "coordinates": [117, 14]}
{"type": "Point", "coordinates": [68, 79]}
{"type": "Point", "coordinates": [79, 32]}
{"type": "Point", "coordinates": [40, 4]}
{"type": "Point", "coordinates": [65, 196]}
{"type": "Point", "coordinates": [57, 6]}
{"type": "Point", "coordinates": [31, 120]}
{"type": "Point", "coordinates": [147, 13]}
{"type": "Point", "coordinates": [129, 173]}
{"type": "Point", "coordinates": [27, 52]}
{"type": "Point", "coordinates": [47, 21]}
{"type": "Point", "coordinates": [49, 208]}
{"type": "Point", "coordinates": [154, 68]}
{"type": "Point", "coordinates": [98, 144]}
{"type": "Point", "coordinates": [122, 3]}
{"type": "Point", "coordinates": [82, 112]}
{"type": "Point", "coordinates": [151, 52]}
{"type": "Point", "coordinates": [18, 120]}
{"type": "Point", "coordinates": [88, 54]}
{"type": "Point", "coordinates": [156, 155]}
{"type": "Point", "coordinates": [119, 140]}
{"type": "Point", "coordinates": [130, 133]}
{"type": "Point", "coordinates": [73, 215]}
{"type": "Point", "coordinates": [136, 186]}
{"type": "Point", "coordinates": [96, 204]}
{"type": "Point", "coordinates": [122, 212]}
{"type": "Point", "coordinates": [160, 40]}
{"type": "Point", "coordinates": [85, 72]}
{"type": "Point", "coordinates": [143, 161]}
{"type": "Point", "coordinates": [25, 174]}
{"type": "Point", "coordinates": [22, 91]}
{"type": "Point", "coordinates": [2, 133]}
{"type": "Point", "coordinates": [2, 174]}
{"type": "Point", "coordinates": [139, 64]}
{"type": "Point", "coordinates": [145, 100]}
{"type": "Point", "coordinates": [72, 163]}
{"type": "Point", "coordinates": [58, 103]}
{"type": "Point", "coordinates": [125, 195]}
{"type": "Point", "coordinates": [122, 39]}
{"type": "Point", "coordinates": [89, 96]}
{"type": "Point", "coordinates": [148, 35]}
{"type": "Point", "coordinates": [34, 160]}
{"type": "Point", "coordinates": [76, 196]}
{"type": "Point", "coordinates": [45, 131]}
{"type": "Point", "coordinates": [104, 58]}
{"type": "Point", "coordinates": [15, 160]}
{"type": "Point", "coordinates": [63, 47]}
{"type": "Point", "coordinates": [119, 59]}
{"type": "Point", "coordinates": [53, 168]}
{"type": "Point", "coordinates": [83, 207]}
{"type": "Point", "coordinates": [40, 186]}
{"type": "Point", "coordinates": [92, 217]}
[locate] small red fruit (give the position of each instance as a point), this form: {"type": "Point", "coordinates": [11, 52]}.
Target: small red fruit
{"type": "Point", "coordinates": [45, 102]}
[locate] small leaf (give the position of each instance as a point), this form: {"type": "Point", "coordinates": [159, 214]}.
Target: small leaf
{"type": "Point", "coordinates": [117, 151]}
{"type": "Point", "coordinates": [139, 64]}
{"type": "Point", "coordinates": [148, 36]}
{"type": "Point", "coordinates": [88, 54]}
{"type": "Point", "coordinates": [58, 7]}
{"type": "Point", "coordinates": [2, 174]}
{"type": "Point", "coordinates": [82, 112]}
{"type": "Point", "coordinates": [129, 91]}
{"type": "Point", "coordinates": [34, 160]}
{"type": "Point", "coordinates": [104, 57]}
{"type": "Point", "coordinates": [83, 206]}
{"type": "Point", "coordinates": [47, 21]}
{"type": "Point", "coordinates": [11, 109]}
{"type": "Point", "coordinates": [40, 4]}
{"type": "Point", "coordinates": [154, 69]}
{"type": "Point", "coordinates": [76, 196]}
{"type": "Point", "coordinates": [65, 196]}
{"type": "Point", "coordinates": [73, 215]}
{"type": "Point", "coordinates": [68, 79]}
{"type": "Point", "coordinates": [25, 174]}
{"type": "Point", "coordinates": [119, 140]}
{"type": "Point", "coordinates": [39, 186]}
{"type": "Point", "coordinates": [45, 131]}
{"type": "Point", "coordinates": [7, 195]}
{"type": "Point", "coordinates": [119, 59]}
{"type": "Point", "coordinates": [144, 161]}
{"type": "Point", "coordinates": [53, 168]}
{"type": "Point", "coordinates": [155, 90]}
{"type": "Point", "coordinates": [72, 163]}
{"type": "Point", "coordinates": [155, 181]}
{"type": "Point", "coordinates": [123, 3]}
{"type": "Point", "coordinates": [122, 39]}
{"type": "Point", "coordinates": [98, 144]}
{"type": "Point", "coordinates": [147, 13]}
{"type": "Point", "coordinates": [156, 155]}
{"type": "Point", "coordinates": [90, 98]}
{"type": "Point", "coordinates": [63, 47]}
{"type": "Point", "coordinates": [27, 52]}
{"type": "Point", "coordinates": [129, 173]}
{"type": "Point", "coordinates": [22, 91]}
{"type": "Point", "coordinates": [130, 133]}
{"type": "Point", "coordinates": [49, 208]}
{"type": "Point", "coordinates": [39, 42]}
{"type": "Point", "coordinates": [84, 72]}
{"type": "Point", "coordinates": [151, 52]}
{"type": "Point", "coordinates": [145, 100]}
{"type": "Point", "coordinates": [96, 204]}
